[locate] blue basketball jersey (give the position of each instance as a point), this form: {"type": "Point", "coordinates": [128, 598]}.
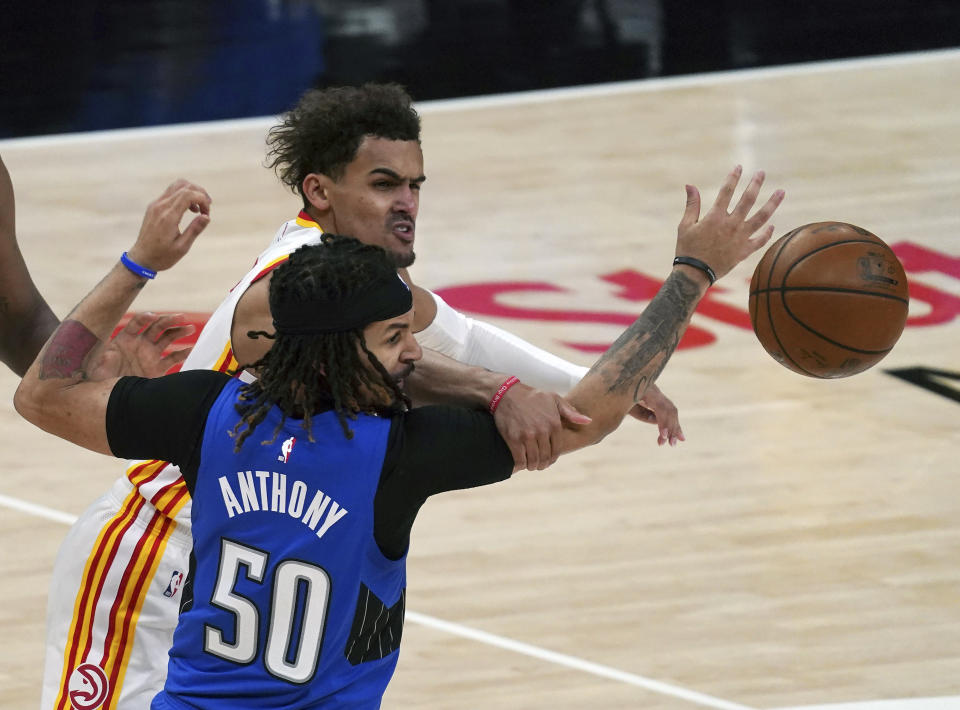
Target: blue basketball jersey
{"type": "Point", "coordinates": [294, 605]}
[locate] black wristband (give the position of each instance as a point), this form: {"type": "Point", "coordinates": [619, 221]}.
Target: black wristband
{"type": "Point", "coordinates": [697, 264]}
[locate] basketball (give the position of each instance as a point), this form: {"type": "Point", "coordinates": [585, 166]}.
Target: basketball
{"type": "Point", "coordinates": [828, 300]}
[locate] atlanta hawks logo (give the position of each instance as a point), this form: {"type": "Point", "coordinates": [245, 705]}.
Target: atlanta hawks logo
{"type": "Point", "coordinates": [286, 449]}
{"type": "Point", "coordinates": [88, 687]}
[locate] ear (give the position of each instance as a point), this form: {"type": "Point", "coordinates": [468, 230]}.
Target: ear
{"type": "Point", "coordinates": [316, 190]}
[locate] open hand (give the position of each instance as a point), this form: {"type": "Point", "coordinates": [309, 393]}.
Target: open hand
{"type": "Point", "coordinates": [141, 348]}
{"type": "Point", "coordinates": [723, 239]}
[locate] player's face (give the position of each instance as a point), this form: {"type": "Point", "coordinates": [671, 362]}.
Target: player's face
{"type": "Point", "coordinates": [378, 197]}
{"type": "Point", "coordinates": [393, 343]}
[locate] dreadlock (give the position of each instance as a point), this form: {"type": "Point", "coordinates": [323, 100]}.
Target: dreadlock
{"type": "Point", "coordinates": [303, 374]}
{"type": "Point", "coordinates": [323, 132]}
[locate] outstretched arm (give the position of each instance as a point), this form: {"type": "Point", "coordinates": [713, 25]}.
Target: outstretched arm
{"type": "Point", "coordinates": [59, 392]}
{"type": "Point", "coordinates": [26, 320]}
{"type": "Point", "coordinates": [475, 342]}
{"type": "Point", "coordinates": [720, 240]}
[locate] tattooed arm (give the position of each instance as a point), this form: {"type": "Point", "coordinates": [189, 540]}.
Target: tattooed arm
{"type": "Point", "coordinates": [60, 393]}
{"type": "Point", "coordinates": [721, 240]}
{"type": "Point", "coordinates": [26, 320]}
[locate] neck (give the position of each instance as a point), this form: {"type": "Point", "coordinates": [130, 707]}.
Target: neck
{"type": "Point", "coordinates": [323, 219]}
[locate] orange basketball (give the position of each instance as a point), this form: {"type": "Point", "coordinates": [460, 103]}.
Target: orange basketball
{"type": "Point", "coordinates": [828, 300]}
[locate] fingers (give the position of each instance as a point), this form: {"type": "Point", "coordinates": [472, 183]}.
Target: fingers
{"type": "Point", "coordinates": [727, 189]}
{"type": "Point", "coordinates": [670, 431]}
{"type": "Point", "coordinates": [176, 357]}
{"type": "Point", "coordinates": [643, 414]}
{"type": "Point", "coordinates": [764, 214]}
{"type": "Point", "coordinates": [570, 413]}
{"type": "Point", "coordinates": [197, 225]}
{"type": "Point", "coordinates": [519, 454]}
{"type": "Point", "coordinates": [692, 211]}
{"type": "Point", "coordinates": [159, 323]}
{"type": "Point", "coordinates": [749, 196]}
{"type": "Point", "coordinates": [191, 197]}
{"type": "Point", "coordinates": [195, 199]}
{"type": "Point", "coordinates": [664, 413]}
{"type": "Point", "coordinates": [759, 240]}
{"type": "Point", "coordinates": [138, 322]}
{"type": "Point", "coordinates": [160, 243]}
{"type": "Point", "coordinates": [201, 198]}
{"type": "Point", "coordinates": [167, 328]}
{"type": "Point", "coordinates": [172, 335]}
{"type": "Point", "coordinates": [538, 456]}
{"type": "Point", "coordinates": [537, 449]}
{"type": "Point", "coordinates": [159, 330]}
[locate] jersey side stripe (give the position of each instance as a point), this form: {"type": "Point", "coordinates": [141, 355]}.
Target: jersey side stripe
{"type": "Point", "coordinates": [145, 472]}
{"type": "Point", "coordinates": [226, 361]}
{"type": "Point", "coordinates": [91, 585]}
{"type": "Point", "coordinates": [126, 610]}
{"type": "Point", "coordinates": [121, 598]}
{"type": "Point", "coordinates": [270, 267]}
{"type": "Point", "coordinates": [171, 498]}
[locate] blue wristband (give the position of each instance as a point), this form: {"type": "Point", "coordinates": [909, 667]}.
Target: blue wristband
{"type": "Point", "coordinates": [136, 268]}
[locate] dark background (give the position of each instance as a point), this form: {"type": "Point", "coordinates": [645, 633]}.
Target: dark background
{"type": "Point", "coordinates": [89, 65]}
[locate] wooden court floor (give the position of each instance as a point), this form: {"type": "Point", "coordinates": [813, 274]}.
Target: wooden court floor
{"type": "Point", "coordinates": [801, 548]}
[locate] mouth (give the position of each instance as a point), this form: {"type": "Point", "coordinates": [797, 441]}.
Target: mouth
{"type": "Point", "coordinates": [403, 230]}
{"type": "Point", "coordinates": [399, 378]}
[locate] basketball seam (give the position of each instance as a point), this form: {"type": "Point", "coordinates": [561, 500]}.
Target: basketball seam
{"type": "Point", "coordinates": [784, 288]}
{"type": "Point", "coordinates": [773, 264]}
{"type": "Point", "coordinates": [830, 340]}
{"type": "Point", "coordinates": [834, 244]}
{"type": "Point", "coordinates": [827, 289]}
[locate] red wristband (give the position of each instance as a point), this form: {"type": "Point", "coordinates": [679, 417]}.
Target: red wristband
{"type": "Point", "coordinates": [495, 402]}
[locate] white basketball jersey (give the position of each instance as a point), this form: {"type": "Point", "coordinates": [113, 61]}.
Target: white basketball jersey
{"type": "Point", "coordinates": [160, 482]}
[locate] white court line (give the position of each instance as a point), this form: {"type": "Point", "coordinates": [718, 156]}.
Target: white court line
{"type": "Point", "coordinates": [516, 98]}
{"type": "Point", "coordinates": [578, 664]}
{"type": "Point", "coordinates": [40, 511]}
{"type": "Point", "coordinates": [561, 659]}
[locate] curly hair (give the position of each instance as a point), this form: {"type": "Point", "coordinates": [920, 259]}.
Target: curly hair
{"type": "Point", "coordinates": [303, 374]}
{"type": "Point", "coordinates": [323, 132]}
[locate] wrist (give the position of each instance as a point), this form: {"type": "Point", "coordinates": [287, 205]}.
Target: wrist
{"type": "Point", "coordinates": [695, 275]}
{"type": "Point", "coordinates": [136, 265]}
{"type": "Point", "coordinates": [501, 391]}
{"type": "Point", "coordinates": [697, 265]}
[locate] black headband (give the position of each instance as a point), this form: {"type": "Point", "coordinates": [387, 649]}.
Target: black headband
{"type": "Point", "coordinates": [383, 298]}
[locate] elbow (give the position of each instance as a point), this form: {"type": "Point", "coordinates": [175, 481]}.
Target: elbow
{"type": "Point", "coordinates": [26, 402]}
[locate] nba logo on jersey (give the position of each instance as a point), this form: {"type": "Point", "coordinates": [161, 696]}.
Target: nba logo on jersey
{"type": "Point", "coordinates": [286, 448]}
{"type": "Point", "coordinates": [176, 579]}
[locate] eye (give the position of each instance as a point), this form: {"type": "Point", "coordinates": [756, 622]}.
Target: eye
{"type": "Point", "coordinates": [415, 186]}
{"type": "Point", "coordinates": [394, 339]}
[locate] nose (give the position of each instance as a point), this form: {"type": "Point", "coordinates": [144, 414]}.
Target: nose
{"type": "Point", "coordinates": [412, 352]}
{"type": "Point", "coordinates": [408, 200]}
